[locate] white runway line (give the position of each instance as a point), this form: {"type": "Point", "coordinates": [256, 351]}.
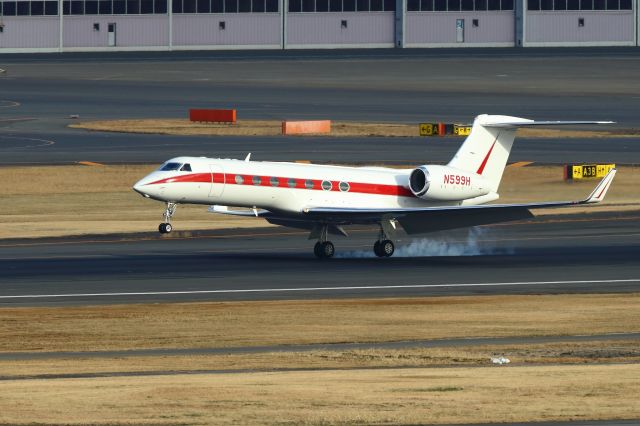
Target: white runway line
{"type": "Point", "coordinates": [312, 289]}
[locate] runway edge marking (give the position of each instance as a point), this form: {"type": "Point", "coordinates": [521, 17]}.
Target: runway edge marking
{"type": "Point", "coordinates": [311, 289]}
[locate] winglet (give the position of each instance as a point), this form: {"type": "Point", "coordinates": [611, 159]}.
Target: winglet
{"type": "Point", "coordinates": [600, 191]}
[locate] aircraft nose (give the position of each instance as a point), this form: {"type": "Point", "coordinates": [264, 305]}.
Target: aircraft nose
{"type": "Point", "coordinates": [139, 188]}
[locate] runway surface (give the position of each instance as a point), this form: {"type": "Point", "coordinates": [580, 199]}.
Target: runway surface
{"type": "Point", "coordinates": [39, 93]}
{"type": "Point", "coordinates": [35, 148]}
{"type": "Point", "coordinates": [592, 254]}
{"type": "Point", "coordinates": [552, 255]}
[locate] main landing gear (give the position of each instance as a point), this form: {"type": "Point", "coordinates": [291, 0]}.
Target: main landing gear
{"type": "Point", "coordinates": [383, 247]}
{"type": "Point", "coordinates": [165, 227]}
{"type": "Point", "coordinates": [324, 249]}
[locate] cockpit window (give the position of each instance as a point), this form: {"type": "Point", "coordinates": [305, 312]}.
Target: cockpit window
{"type": "Point", "coordinates": [186, 168]}
{"type": "Point", "coordinates": [170, 166]}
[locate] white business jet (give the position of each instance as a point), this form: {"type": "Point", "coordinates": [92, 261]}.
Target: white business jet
{"type": "Point", "coordinates": [323, 199]}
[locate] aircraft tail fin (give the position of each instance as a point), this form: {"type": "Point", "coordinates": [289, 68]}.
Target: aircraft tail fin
{"type": "Point", "coordinates": [486, 150]}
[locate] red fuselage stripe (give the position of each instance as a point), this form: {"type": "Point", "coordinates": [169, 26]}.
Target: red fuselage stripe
{"type": "Point", "coordinates": [314, 184]}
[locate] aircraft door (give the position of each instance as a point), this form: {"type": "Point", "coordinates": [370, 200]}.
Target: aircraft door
{"type": "Point", "coordinates": [218, 180]}
{"type": "Point", "coordinates": [460, 30]}
{"type": "Point", "coordinates": [111, 34]}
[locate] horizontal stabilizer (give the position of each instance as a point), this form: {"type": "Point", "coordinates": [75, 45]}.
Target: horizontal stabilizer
{"type": "Point", "coordinates": [531, 123]}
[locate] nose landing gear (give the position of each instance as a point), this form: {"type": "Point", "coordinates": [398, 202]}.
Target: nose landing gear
{"type": "Point", "coordinates": [165, 227]}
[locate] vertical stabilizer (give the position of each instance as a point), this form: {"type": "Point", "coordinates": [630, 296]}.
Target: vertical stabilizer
{"type": "Point", "coordinates": [486, 150]}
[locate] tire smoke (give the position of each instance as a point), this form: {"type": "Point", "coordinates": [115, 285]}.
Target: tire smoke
{"type": "Point", "coordinates": [476, 243]}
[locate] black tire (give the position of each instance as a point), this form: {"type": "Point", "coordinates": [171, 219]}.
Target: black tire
{"type": "Point", "coordinates": [328, 249]}
{"type": "Point", "coordinates": [387, 248]}
{"type": "Point", "coordinates": [377, 249]}
{"type": "Point", "coordinates": [317, 250]}
{"type": "Point", "coordinates": [162, 229]}
{"type": "Point", "coordinates": [167, 228]}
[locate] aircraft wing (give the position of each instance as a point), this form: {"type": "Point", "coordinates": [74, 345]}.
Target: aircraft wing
{"type": "Point", "coordinates": [417, 220]}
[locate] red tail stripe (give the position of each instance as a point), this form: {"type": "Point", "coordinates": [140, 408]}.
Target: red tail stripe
{"type": "Point", "coordinates": [486, 158]}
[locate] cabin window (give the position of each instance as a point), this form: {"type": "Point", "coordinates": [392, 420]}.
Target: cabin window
{"type": "Point", "coordinates": [274, 181]}
{"type": "Point", "coordinates": [327, 185]}
{"type": "Point", "coordinates": [170, 166]}
{"type": "Point", "coordinates": [256, 180]}
{"type": "Point", "coordinates": [239, 180]}
{"type": "Point", "coordinates": [291, 182]}
{"type": "Point", "coordinates": [344, 186]}
{"type": "Point", "coordinates": [186, 168]}
{"type": "Point", "coordinates": [308, 184]}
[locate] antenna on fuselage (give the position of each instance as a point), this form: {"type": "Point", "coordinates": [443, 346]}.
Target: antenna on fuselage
{"type": "Point", "coordinates": [248, 158]}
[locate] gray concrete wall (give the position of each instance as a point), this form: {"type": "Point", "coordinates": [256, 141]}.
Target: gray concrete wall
{"type": "Point", "coordinates": [135, 30]}
{"type": "Point", "coordinates": [561, 28]}
{"type": "Point", "coordinates": [438, 29]}
{"type": "Point", "coordinates": [324, 30]}
{"type": "Point", "coordinates": [241, 30]}
{"type": "Point", "coordinates": [24, 32]}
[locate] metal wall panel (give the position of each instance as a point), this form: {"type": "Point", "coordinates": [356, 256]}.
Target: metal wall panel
{"type": "Point", "coordinates": [240, 29]}
{"type": "Point", "coordinates": [29, 33]}
{"type": "Point", "coordinates": [439, 28]}
{"type": "Point", "coordinates": [364, 29]}
{"type": "Point", "coordinates": [138, 31]}
{"type": "Point", "coordinates": [549, 28]}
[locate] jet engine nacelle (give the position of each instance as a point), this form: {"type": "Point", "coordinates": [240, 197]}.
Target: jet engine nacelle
{"type": "Point", "coordinates": [446, 184]}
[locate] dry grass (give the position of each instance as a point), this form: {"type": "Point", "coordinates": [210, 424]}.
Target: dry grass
{"type": "Point", "coordinates": [551, 353]}
{"type": "Point", "coordinates": [380, 396]}
{"type": "Point", "coordinates": [274, 128]}
{"type": "Point", "coordinates": [73, 200]}
{"type": "Point", "coordinates": [379, 386]}
{"type": "Point", "coordinates": [235, 324]}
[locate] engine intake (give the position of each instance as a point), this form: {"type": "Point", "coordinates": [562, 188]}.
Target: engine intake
{"type": "Point", "coordinates": [443, 183]}
{"type": "Point", "coordinates": [419, 181]}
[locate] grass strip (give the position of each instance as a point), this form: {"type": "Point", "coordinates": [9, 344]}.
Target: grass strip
{"type": "Point", "coordinates": [362, 396]}
{"type": "Point", "coordinates": [264, 323]}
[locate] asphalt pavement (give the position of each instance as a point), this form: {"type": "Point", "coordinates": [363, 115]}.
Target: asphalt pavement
{"type": "Point", "coordinates": [40, 93]}
{"type": "Point", "coordinates": [578, 254]}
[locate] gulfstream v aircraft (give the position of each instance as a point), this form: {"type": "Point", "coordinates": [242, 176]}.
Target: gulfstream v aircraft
{"type": "Point", "coordinates": [323, 199]}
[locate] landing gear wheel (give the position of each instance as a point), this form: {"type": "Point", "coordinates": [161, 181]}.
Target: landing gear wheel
{"type": "Point", "coordinates": [384, 248]}
{"type": "Point", "coordinates": [165, 227]}
{"type": "Point", "coordinates": [387, 248]}
{"type": "Point", "coordinates": [324, 250]}
{"type": "Point", "coordinates": [327, 249]}
{"type": "Point", "coordinates": [377, 250]}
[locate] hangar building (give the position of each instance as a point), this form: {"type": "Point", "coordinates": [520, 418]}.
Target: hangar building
{"type": "Point", "coordinates": [104, 25]}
